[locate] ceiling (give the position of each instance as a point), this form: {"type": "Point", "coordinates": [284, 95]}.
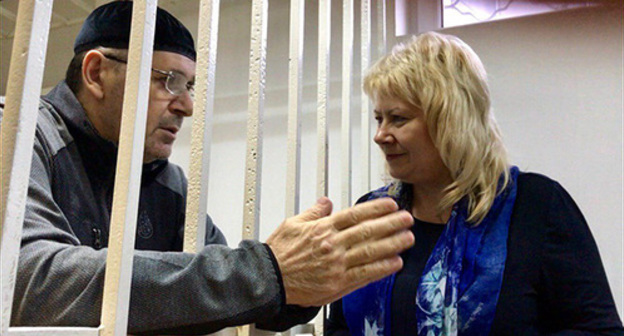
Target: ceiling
{"type": "Point", "coordinates": [67, 13]}
{"type": "Point", "coordinates": [67, 18]}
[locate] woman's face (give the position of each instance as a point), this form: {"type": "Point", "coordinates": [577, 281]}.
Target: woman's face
{"type": "Point", "coordinates": [403, 137]}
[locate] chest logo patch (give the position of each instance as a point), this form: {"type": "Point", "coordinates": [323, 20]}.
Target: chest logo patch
{"type": "Point", "coordinates": [144, 226]}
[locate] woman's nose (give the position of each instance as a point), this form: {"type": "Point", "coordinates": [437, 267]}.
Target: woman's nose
{"type": "Point", "coordinates": [382, 135]}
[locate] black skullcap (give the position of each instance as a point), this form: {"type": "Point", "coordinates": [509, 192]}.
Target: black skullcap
{"type": "Point", "coordinates": [109, 26]}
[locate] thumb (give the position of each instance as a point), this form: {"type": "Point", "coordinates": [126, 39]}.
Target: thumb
{"type": "Point", "coordinates": [322, 208]}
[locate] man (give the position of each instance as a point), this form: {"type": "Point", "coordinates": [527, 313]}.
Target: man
{"type": "Point", "coordinates": [310, 260]}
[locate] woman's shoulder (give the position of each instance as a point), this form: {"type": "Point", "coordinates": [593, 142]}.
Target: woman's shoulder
{"type": "Point", "coordinates": [543, 201]}
{"type": "Point", "coordinates": [540, 189]}
{"type": "Point", "coordinates": [535, 180]}
{"type": "Point", "coordinates": [389, 190]}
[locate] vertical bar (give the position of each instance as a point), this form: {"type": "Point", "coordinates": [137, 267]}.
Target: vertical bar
{"type": "Point", "coordinates": [293, 166]}
{"type": "Point", "coordinates": [390, 17]}
{"type": "Point", "coordinates": [17, 135]}
{"type": "Point", "coordinates": [257, 74]}
{"type": "Point", "coordinates": [347, 71]}
{"type": "Point", "coordinates": [324, 42]}
{"type": "Point", "coordinates": [117, 280]}
{"type": "Point", "coordinates": [197, 201]}
{"type": "Point", "coordinates": [365, 106]}
{"type": "Point", "coordinates": [253, 165]}
{"type": "Point", "coordinates": [381, 27]}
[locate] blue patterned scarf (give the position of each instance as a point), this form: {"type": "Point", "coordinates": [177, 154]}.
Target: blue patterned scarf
{"type": "Point", "coordinates": [461, 281]}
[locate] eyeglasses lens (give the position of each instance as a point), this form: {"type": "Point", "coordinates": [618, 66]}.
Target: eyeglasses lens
{"type": "Point", "coordinates": [177, 83]}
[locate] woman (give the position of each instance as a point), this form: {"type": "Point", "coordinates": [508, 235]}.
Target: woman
{"type": "Point", "coordinates": [497, 251]}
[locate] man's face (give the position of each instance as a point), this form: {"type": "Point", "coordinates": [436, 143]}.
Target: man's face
{"type": "Point", "coordinates": [165, 110]}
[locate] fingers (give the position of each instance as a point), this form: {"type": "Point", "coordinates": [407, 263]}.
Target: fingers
{"type": "Point", "coordinates": [369, 252]}
{"type": "Point", "coordinates": [375, 229]}
{"type": "Point", "coordinates": [362, 275]}
{"type": "Point", "coordinates": [322, 208]}
{"type": "Point", "coordinates": [363, 211]}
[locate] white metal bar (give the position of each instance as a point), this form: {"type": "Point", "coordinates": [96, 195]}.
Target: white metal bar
{"type": "Point", "coordinates": [257, 74]}
{"type": "Point", "coordinates": [17, 138]}
{"type": "Point", "coordinates": [347, 80]}
{"type": "Point", "coordinates": [201, 137]}
{"type": "Point", "coordinates": [117, 281]}
{"type": "Point", "coordinates": [324, 42]}
{"type": "Point", "coordinates": [365, 44]}
{"type": "Point", "coordinates": [53, 331]}
{"type": "Point", "coordinates": [293, 164]}
{"type": "Point", "coordinates": [253, 164]}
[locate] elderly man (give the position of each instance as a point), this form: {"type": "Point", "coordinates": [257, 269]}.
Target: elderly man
{"type": "Point", "coordinates": [310, 260]}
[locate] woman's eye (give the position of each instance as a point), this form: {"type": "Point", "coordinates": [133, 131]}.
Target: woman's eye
{"type": "Point", "coordinates": [398, 119]}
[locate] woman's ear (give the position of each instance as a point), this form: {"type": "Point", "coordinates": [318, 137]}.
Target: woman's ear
{"type": "Point", "coordinates": [92, 66]}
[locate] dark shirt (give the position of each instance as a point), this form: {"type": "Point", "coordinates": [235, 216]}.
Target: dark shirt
{"type": "Point", "coordinates": [553, 283]}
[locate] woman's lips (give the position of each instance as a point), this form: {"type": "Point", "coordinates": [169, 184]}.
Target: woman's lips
{"type": "Point", "coordinates": [390, 157]}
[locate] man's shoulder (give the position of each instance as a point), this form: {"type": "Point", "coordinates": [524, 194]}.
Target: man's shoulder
{"type": "Point", "coordinates": [50, 126]}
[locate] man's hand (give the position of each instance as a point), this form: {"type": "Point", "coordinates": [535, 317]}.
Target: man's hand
{"type": "Point", "coordinates": [323, 258]}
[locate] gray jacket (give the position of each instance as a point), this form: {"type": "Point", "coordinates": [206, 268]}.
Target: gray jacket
{"type": "Point", "coordinates": [63, 251]}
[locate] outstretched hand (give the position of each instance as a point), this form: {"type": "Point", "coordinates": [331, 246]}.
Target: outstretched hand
{"type": "Point", "coordinates": [323, 258]}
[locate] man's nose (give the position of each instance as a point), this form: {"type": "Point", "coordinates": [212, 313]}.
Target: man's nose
{"type": "Point", "coordinates": [182, 104]}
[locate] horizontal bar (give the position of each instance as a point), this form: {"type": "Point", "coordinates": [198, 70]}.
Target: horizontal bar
{"type": "Point", "coordinates": [53, 331]}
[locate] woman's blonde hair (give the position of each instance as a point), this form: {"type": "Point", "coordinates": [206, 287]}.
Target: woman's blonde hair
{"type": "Point", "coordinates": [444, 77]}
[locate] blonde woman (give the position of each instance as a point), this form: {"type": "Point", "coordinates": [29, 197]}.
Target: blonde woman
{"type": "Point", "coordinates": [497, 251]}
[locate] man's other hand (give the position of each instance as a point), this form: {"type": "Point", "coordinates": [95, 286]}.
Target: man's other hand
{"type": "Point", "coordinates": [323, 258]}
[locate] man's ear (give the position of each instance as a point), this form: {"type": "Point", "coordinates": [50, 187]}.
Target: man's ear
{"type": "Point", "coordinates": [92, 66]}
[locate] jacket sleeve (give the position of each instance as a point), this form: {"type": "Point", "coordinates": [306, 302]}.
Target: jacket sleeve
{"type": "Point", "coordinates": [576, 295]}
{"type": "Point", "coordinates": [60, 282]}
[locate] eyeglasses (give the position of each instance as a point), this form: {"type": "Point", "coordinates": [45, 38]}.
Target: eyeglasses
{"type": "Point", "coordinates": [176, 82]}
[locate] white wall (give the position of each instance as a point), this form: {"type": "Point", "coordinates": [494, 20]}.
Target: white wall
{"type": "Point", "coordinates": [556, 82]}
